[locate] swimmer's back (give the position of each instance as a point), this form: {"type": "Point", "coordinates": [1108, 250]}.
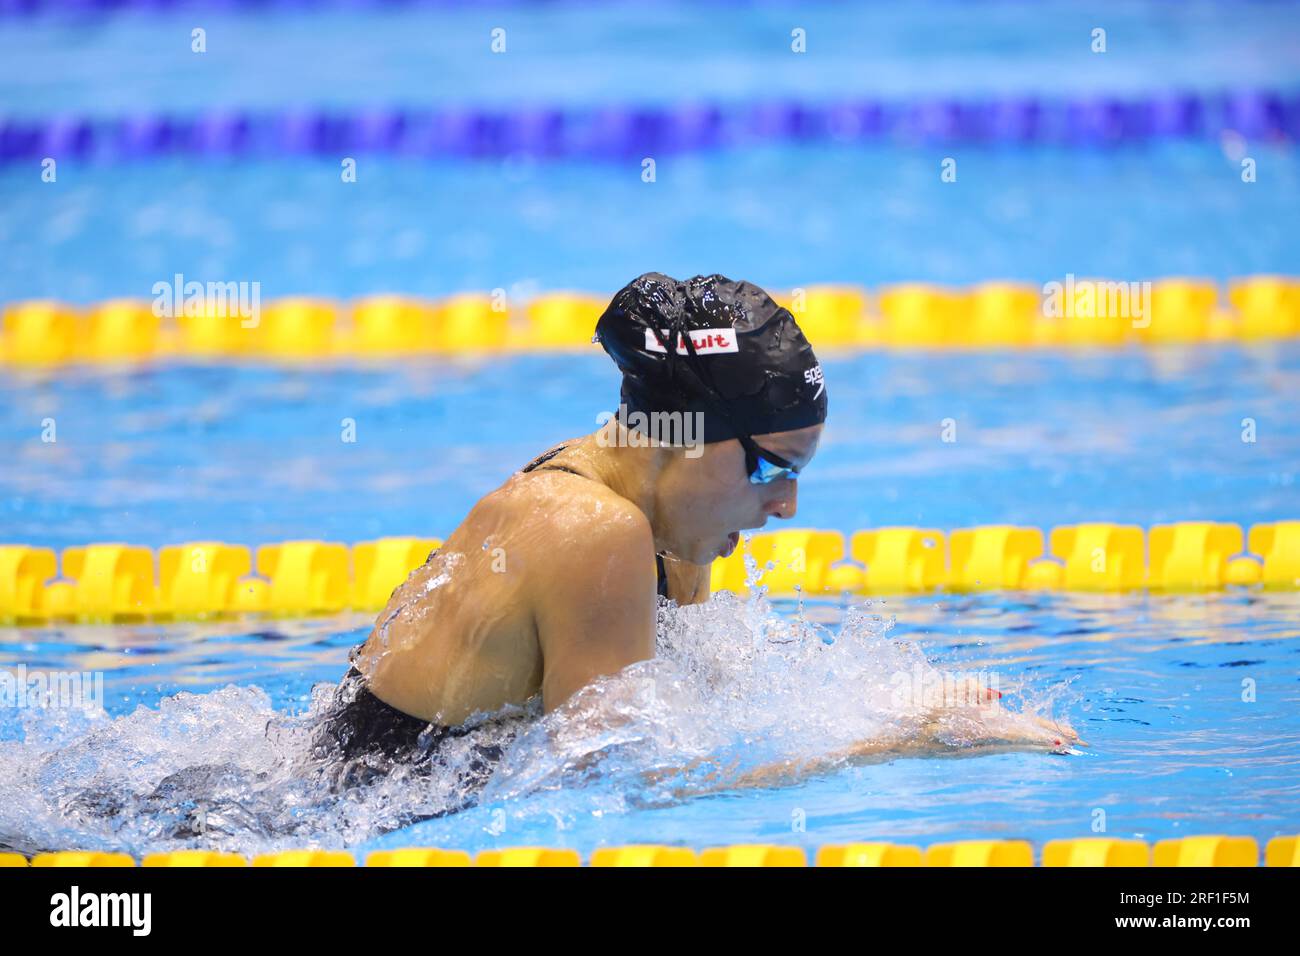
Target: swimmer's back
{"type": "Point", "coordinates": [466, 632]}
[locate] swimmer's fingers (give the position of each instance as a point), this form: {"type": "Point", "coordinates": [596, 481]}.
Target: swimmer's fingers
{"type": "Point", "coordinates": [1019, 730]}
{"type": "Point", "coordinates": [1059, 735]}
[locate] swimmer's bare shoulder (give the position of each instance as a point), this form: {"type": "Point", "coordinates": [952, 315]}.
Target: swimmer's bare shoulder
{"type": "Point", "coordinates": [567, 502]}
{"type": "Point", "coordinates": [548, 583]}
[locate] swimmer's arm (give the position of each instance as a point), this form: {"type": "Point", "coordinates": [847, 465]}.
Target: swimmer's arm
{"type": "Point", "coordinates": [1012, 731]}
{"type": "Point", "coordinates": [595, 607]}
{"type": "Point", "coordinates": [784, 772]}
{"type": "Point", "coordinates": [787, 772]}
{"type": "Point", "coordinates": [1017, 732]}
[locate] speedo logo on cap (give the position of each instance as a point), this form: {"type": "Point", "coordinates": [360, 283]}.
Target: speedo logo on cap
{"type": "Point", "coordinates": [815, 376]}
{"type": "Point", "coordinates": [705, 341]}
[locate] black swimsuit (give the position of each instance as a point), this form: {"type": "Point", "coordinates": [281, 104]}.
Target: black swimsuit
{"type": "Point", "coordinates": [367, 736]}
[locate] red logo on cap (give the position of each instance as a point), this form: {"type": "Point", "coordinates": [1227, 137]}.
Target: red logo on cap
{"type": "Point", "coordinates": [705, 341]}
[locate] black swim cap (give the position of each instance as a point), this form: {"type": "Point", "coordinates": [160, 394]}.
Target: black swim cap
{"type": "Point", "coordinates": [745, 363]}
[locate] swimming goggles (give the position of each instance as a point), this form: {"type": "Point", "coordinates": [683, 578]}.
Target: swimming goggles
{"type": "Point", "coordinates": [763, 466]}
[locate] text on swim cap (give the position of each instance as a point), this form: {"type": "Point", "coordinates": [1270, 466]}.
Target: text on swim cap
{"type": "Point", "coordinates": [814, 376]}
{"type": "Point", "coordinates": [706, 341]}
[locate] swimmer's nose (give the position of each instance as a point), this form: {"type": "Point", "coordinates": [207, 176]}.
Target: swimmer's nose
{"type": "Point", "coordinates": [785, 502]}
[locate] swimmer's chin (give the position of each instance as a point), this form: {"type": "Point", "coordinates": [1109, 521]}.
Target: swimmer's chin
{"type": "Point", "coordinates": [729, 546]}
{"type": "Point", "coordinates": [703, 552]}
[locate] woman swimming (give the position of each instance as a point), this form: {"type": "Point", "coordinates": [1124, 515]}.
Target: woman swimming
{"type": "Point", "coordinates": [551, 581]}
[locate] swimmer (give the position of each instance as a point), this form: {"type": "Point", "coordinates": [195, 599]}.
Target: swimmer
{"type": "Point", "coordinates": [552, 580]}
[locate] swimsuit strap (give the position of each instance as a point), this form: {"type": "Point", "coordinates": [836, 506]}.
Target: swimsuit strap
{"type": "Point", "coordinates": [662, 574]}
{"type": "Point", "coordinates": [539, 464]}
{"type": "Point", "coordinates": [545, 457]}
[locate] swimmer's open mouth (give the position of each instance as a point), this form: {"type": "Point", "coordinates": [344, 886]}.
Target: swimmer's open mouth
{"type": "Point", "coordinates": [726, 550]}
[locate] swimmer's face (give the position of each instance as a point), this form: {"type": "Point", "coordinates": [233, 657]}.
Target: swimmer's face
{"type": "Point", "coordinates": [709, 500]}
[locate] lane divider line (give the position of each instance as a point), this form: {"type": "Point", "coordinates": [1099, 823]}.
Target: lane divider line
{"type": "Point", "coordinates": [211, 322]}
{"type": "Point", "coordinates": [115, 582]}
{"type": "Point", "coordinates": [618, 132]}
{"type": "Point", "coordinates": [1216, 851]}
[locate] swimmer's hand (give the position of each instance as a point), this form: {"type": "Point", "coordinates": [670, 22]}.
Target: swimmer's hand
{"type": "Point", "coordinates": [972, 722]}
{"type": "Point", "coordinates": [975, 718]}
{"type": "Point", "coordinates": [1026, 731]}
{"type": "Point", "coordinates": [1062, 736]}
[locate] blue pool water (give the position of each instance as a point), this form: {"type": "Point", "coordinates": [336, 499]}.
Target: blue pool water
{"type": "Point", "coordinates": [251, 455]}
{"type": "Point", "coordinates": [1159, 687]}
{"type": "Point", "coordinates": [781, 216]}
{"type": "Point", "coordinates": [585, 53]}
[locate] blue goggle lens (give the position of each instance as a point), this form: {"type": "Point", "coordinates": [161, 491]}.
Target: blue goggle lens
{"type": "Point", "coordinates": [766, 472]}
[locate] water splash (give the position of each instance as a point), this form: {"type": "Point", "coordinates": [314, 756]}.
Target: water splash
{"type": "Point", "coordinates": [411, 599]}
{"type": "Point", "coordinates": [735, 688]}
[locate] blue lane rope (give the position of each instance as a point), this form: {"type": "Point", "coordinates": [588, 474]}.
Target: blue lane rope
{"type": "Point", "coordinates": [619, 132]}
